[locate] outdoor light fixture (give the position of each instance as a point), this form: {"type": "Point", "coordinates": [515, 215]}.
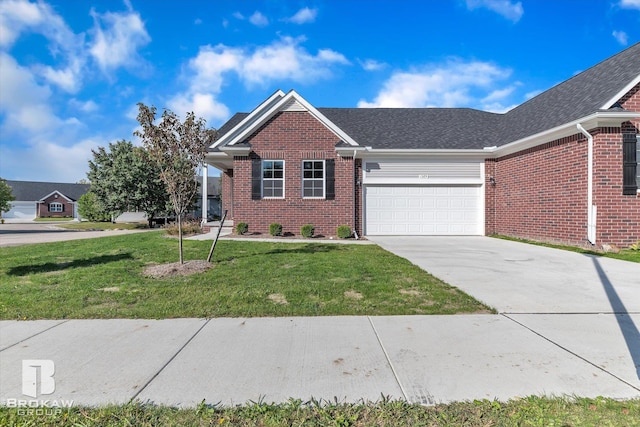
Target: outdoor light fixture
{"type": "Point", "coordinates": [492, 181]}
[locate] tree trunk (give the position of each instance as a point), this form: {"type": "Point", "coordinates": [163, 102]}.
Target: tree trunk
{"type": "Point", "coordinates": [180, 237]}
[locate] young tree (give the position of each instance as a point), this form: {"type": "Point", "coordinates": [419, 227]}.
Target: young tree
{"type": "Point", "coordinates": [5, 196]}
{"type": "Point", "coordinates": [90, 209]}
{"type": "Point", "coordinates": [179, 149]}
{"type": "Point", "coordinates": [125, 179]}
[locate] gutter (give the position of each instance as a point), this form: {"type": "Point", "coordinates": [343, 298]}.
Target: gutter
{"type": "Point", "coordinates": [591, 208]}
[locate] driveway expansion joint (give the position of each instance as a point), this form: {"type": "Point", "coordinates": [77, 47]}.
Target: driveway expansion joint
{"type": "Point", "coordinates": [141, 389]}
{"type": "Point", "coordinates": [572, 352]}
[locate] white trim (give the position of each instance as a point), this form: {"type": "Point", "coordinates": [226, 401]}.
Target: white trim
{"type": "Point", "coordinates": [267, 110]}
{"type": "Point", "coordinates": [598, 119]}
{"type": "Point", "coordinates": [58, 204]}
{"type": "Point", "coordinates": [247, 121]}
{"type": "Point", "coordinates": [52, 193]}
{"type": "Point", "coordinates": [620, 94]}
{"type": "Point", "coordinates": [324, 179]}
{"type": "Point", "coordinates": [262, 178]}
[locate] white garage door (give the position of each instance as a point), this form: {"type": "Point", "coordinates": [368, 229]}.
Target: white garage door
{"type": "Point", "coordinates": [423, 210]}
{"type": "Point", "coordinates": [22, 210]}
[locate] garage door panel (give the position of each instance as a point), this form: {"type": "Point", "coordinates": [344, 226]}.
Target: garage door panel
{"type": "Point", "coordinates": [423, 210]}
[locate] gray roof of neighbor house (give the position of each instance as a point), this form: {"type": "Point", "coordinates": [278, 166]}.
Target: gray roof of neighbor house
{"type": "Point", "coordinates": [28, 191]}
{"type": "Point", "coordinates": [465, 128]}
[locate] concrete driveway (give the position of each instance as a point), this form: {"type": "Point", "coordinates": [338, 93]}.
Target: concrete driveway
{"type": "Point", "coordinates": [516, 277]}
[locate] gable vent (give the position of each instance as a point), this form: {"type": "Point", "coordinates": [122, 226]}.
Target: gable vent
{"type": "Point", "coordinates": [293, 105]}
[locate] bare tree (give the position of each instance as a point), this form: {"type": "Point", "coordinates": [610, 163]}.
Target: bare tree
{"type": "Point", "coordinates": [179, 149]}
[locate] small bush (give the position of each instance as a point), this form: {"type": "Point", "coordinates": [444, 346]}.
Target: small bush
{"type": "Point", "coordinates": [344, 231]}
{"type": "Point", "coordinates": [242, 228]}
{"type": "Point", "coordinates": [307, 230]}
{"type": "Point", "coordinates": [188, 228]}
{"type": "Point", "coordinates": [275, 229]}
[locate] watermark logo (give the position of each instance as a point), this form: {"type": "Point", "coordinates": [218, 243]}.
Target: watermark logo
{"type": "Point", "coordinates": [30, 370]}
{"type": "Point", "coordinates": [37, 380]}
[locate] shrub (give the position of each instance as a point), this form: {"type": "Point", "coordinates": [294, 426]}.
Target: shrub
{"type": "Point", "coordinates": [275, 229]}
{"type": "Point", "coordinates": [307, 230]}
{"type": "Point", "coordinates": [344, 231]}
{"type": "Point", "coordinates": [242, 228]}
{"type": "Point", "coordinates": [188, 228]}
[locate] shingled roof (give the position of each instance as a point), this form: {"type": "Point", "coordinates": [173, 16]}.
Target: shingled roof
{"type": "Point", "coordinates": [464, 128]}
{"type": "Point", "coordinates": [27, 191]}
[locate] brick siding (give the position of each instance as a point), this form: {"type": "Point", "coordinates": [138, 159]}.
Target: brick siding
{"type": "Point", "coordinates": [292, 137]}
{"type": "Point", "coordinates": [43, 208]}
{"type": "Point", "coordinates": [541, 193]}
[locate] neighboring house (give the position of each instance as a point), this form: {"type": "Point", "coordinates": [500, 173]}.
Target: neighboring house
{"type": "Point", "coordinates": [44, 199]}
{"type": "Point", "coordinates": [562, 167]}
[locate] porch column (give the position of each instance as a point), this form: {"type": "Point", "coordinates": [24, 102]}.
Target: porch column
{"type": "Point", "coordinates": [205, 202]}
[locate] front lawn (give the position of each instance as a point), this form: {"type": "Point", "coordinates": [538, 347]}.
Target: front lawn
{"type": "Point", "coordinates": [102, 278]}
{"type": "Point", "coordinates": [87, 226]}
{"type": "Point", "coordinates": [530, 411]}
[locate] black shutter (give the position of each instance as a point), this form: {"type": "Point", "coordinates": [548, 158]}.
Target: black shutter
{"type": "Point", "coordinates": [48, 207]}
{"type": "Point", "coordinates": [256, 179]}
{"type": "Point", "coordinates": [629, 164]}
{"type": "Point", "coordinates": [62, 207]}
{"type": "Point", "coordinates": [330, 165]}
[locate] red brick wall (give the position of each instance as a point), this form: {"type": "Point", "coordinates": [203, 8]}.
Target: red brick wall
{"type": "Point", "coordinates": [541, 193]}
{"type": "Point", "coordinates": [43, 208]}
{"type": "Point", "coordinates": [226, 201]}
{"type": "Point", "coordinates": [618, 215]}
{"type": "Point", "coordinates": [293, 137]}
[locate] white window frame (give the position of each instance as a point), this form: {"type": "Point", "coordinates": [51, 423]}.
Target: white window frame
{"type": "Point", "coordinates": [263, 179]}
{"type": "Point", "coordinates": [55, 207]}
{"type": "Point", "coordinates": [323, 179]}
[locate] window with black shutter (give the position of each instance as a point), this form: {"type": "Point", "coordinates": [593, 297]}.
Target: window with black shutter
{"type": "Point", "coordinates": [630, 180]}
{"type": "Point", "coordinates": [330, 167]}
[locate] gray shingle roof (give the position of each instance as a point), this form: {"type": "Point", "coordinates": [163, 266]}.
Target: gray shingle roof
{"type": "Point", "coordinates": [32, 191]}
{"type": "Point", "coordinates": [464, 128]}
{"type": "Point", "coordinates": [583, 94]}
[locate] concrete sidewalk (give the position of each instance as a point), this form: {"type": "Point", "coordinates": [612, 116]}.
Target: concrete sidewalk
{"type": "Point", "coordinates": [423, 359]}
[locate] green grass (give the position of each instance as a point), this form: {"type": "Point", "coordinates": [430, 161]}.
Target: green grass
{"type": "Point", "coordinates": [530, 411]}
{"type": "Point", "coordinates": [52, 219]}
{"type": "Point", "coordinates": [625, 255]}
{"type": "Point", "coordinates": [102, 278]}
{"type": "Point", "coordinates": [86, 225]}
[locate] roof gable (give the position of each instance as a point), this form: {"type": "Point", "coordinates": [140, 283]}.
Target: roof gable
{"type": "Point", "coordinates": [279, 102]}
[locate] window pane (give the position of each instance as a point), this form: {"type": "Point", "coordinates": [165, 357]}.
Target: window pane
{"type": "Point", "coordinates": [267, 174]}
{"type": "Point", "coordinates": [307, 165]}
{"type": "Point", "coordinates": [277, 192]}
{"type": "Point", "coordinates": [278, 164]}
{"type": "Point", "coordinates": [307, 174]}
{"type": "Point", "coordinates": [317, 174]}
{"type": "Point", "coordinates": [317, 165]}
{"type": "Point", "coordinates": [278, 174]}
{"type": "Point", "coordinates": [307, 192]}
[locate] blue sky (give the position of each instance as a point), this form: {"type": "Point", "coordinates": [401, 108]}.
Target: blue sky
{"type": "Point", "coordinates": [72, 72]}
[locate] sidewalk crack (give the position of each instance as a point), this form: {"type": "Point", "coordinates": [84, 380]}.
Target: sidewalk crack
{"type": "Point", "coordinates": [386, 355]}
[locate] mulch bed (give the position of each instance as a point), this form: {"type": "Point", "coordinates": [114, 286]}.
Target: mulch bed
{"type": "Point", "coordinates": [176, 269]}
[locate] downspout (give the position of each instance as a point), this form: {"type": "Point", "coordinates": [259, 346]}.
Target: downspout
{"type": "Point", "coordinates": [591, 208]}
{"type": "Point", "coordinates": [355, 199]}
{"type": "Point", "coordinates": [205, 195]}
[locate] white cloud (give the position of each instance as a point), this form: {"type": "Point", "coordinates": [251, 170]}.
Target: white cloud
{"type": "Point", "coordinates": [238, 15]}
{"type": "Point", "coordinates": [372, 65]}
{"type": "Point", "coordinates": [452, 84]}
{"type": "Point", "coordinates": [202, 104]}
{"type": "Point", "coordinates": [621, 37]}
{"type": "Point", "coordinates": [303, 16]}
{"type": "Point", "coordinates": [284, 59]}
{"type": "Point", "coordinates": [509, 10]}
{"type": "Point", "coordinates": [25, 103]}
{"type": "Point", "coordinates": [48, 161]}
{"type": "Point", "coordinates": [20, 16]}
{"type": "Point", "coordinates": [630, 4]}
{"type": "Point", "coordinates": [117, 38]}
{"type": "Point", "coordinates": [85, 106]}
{"type": "Point", "coordinates": [258, 19]}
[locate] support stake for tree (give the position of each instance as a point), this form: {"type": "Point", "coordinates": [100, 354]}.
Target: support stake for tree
{"type": "Point", "coordinates": [213, 245]}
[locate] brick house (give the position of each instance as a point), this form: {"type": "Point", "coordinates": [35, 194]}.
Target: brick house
{"type": "Point", "coordinates": [562, 167]}
{"type": "Point", "coordinates": [44, 199]}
